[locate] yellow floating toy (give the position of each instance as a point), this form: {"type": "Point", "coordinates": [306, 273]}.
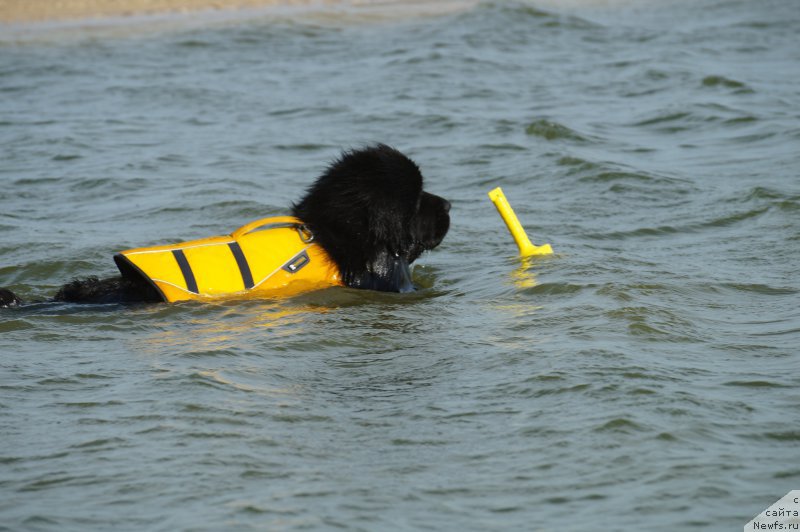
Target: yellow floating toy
{"type": "Point", "coordinates": [526, 248]}
{"type": "Point", "coordinates": [276, 255]}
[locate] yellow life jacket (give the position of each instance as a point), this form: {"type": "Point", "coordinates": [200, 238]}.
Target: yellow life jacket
{"type": "Point", "coordinates": [270, 256]}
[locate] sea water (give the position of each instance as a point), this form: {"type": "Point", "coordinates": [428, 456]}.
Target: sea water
{"type": "Point", "coordinates": [644, 377]}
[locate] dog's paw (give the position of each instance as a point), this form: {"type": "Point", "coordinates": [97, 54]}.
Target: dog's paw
{"type": "Point", "coordinates": [8, 298]}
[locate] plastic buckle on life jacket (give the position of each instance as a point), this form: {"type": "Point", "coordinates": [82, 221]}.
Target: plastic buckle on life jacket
{"type": "Point", "coordinates": [305, 233]}
{"type": "Point", "coordinates": [297, 262]}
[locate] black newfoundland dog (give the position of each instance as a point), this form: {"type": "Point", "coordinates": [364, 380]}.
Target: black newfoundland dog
{"type": "Point", "coordinates": [367, 211]}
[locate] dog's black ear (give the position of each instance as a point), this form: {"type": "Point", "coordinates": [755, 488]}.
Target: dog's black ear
{"type": "Point", "coordinates": [390, 214]}
{"type": "Point", "coordinates": [392, 188]}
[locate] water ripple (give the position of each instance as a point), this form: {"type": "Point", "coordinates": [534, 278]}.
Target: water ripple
{"type": "Point", "coordinates": [550, 130]}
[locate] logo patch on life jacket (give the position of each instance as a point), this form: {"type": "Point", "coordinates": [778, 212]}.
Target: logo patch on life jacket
{"type": "Point", "coordinates": [297, 262]}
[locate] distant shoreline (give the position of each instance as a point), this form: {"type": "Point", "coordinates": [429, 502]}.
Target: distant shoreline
{"type": "Point", "coordinates": [32, 11]}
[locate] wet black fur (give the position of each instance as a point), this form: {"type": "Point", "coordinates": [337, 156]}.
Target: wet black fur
{"type": "Point", "coordinates": [368, 211]}
{"type": "Point", "coordinates": [370, 214]}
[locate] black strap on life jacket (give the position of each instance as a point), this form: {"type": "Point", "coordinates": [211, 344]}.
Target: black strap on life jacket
{"type": "Point", "coordinates": [244, 267]}
{"type": "Point", "coordinates": [186, 270]}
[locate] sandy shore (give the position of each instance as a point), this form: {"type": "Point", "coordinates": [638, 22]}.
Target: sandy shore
{"type": "Point", "coordinates": [22, 11]}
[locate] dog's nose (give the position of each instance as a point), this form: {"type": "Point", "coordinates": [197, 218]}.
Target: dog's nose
{"type": "Point", "coordinates": [446, 206]}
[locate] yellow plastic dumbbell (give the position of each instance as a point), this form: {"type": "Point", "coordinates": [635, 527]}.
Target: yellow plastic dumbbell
{"type": "Point", "coordinates": [526, 248]}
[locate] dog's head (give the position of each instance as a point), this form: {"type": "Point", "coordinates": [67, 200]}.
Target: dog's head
{"type": "Point", "coordinates": [370, 214]}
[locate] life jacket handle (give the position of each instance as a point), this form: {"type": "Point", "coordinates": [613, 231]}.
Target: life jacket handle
{"type": "Point", "coordinates": [273, 222]}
